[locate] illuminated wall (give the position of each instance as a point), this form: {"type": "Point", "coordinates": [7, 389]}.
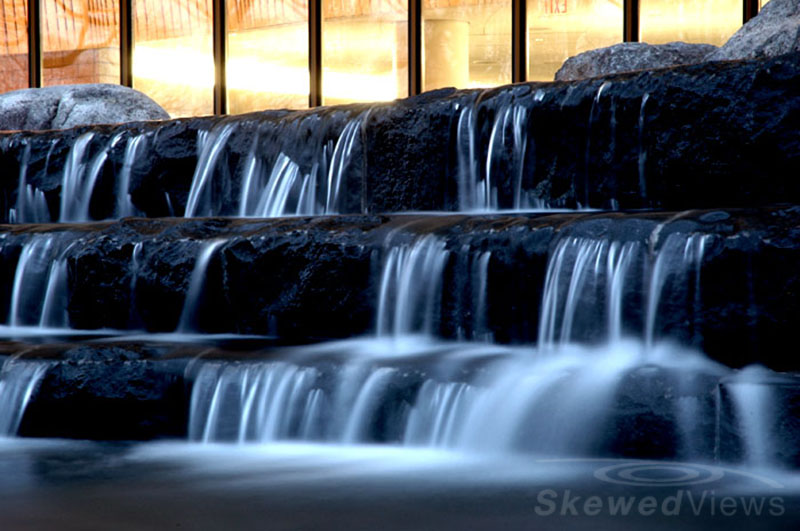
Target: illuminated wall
{"type": "Point", "coordinates": [559, 29]}
{"type": "Point", "coordinates": [267, 55]}
{"type": "Point", "coordinates": [709, 21]}
{"type": "Point", "coordinates": [173, 54]}
{"type": "Point", "coordinates": [13, 45]}
{"type": "Point", "coordinates": [80, 41]}
{"type": "Point", "coordinates": [464, 43]}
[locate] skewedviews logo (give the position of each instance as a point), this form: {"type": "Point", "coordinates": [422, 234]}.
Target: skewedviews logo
{"type": "Point", "coordinates": [665, 489]}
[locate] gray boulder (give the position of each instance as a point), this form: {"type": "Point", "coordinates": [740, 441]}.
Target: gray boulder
{"type": "Point", "coordinates": [631, 56]}
{"type": "Point", "coordinates": [66, 106]}
{"type": "Point", "coordinates": [775, 31]}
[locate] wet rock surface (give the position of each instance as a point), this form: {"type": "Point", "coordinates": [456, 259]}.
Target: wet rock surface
{"type": "Point", "coordinates": [107, 392]}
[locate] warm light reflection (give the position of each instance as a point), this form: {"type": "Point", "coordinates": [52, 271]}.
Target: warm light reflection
{"type": "Point", "coordinates": [267, 57]}
{"type": "Point", "coordinates": [709, 21]}
{"type": "Point", "coordinates": [360, 87]}
{"type": "Point", "coordinates": [173, 60]}
{"type": "Point", "coordinates": [364, 51]}
{"type": "Point", "coordinates": [173, 63]}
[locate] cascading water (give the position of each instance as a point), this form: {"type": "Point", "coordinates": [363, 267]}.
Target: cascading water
{"type": "Point", "coordinates": [133, 149]}
{"type": "Point", "coordinates": [561, 398]}
{"type": "Point", "coordinates": [80, 177]}
{"type": "Point", "coordinates": [188, 319]}
{"type": "Point", "coordinates": [31, 206]}
{"type": "Point", "coordinates": [589, 278]}
{"type": "Point", "coordinates": [38, 296]}
{"type": "Point", "coordinates": [18, 381]}
{"type": "Point", "coordinates": [271, 188]}
{"type": "Point", "coordinates": [642, 160]}
{"type": "Point", "coordinates": [506, 153]}
{"type": "Point", "coordinates": [410, 287]}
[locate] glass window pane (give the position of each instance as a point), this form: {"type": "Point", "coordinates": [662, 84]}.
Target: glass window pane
{"type": "Point", "coordinates": [466, 43]}
{"type": "Point", "coordinates": [559, 29]}
{"type": "Point", "coordinates": [707, 21]}
{"type": "Point", "coordinates": [13, 45]}
{"type": "Point", "coordinates": [80, 42]}
{"type": "Point", "coordinates": [173, 54]}
{"type": "Point", "coordinates": [267, 54]}
{"type": "Point", "coordinates": [364, 50]}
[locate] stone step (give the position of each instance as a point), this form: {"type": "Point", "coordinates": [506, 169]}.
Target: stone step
{"type": "Point", "coordinates": [725, 282]}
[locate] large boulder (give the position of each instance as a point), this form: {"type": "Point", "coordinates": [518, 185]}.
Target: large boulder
{"type": "Point", "coordinates": [67, 106]}
{"type": "Point", "coordinates": [775, 31]}
{"type": "Point", "coordinates": [631, 56]}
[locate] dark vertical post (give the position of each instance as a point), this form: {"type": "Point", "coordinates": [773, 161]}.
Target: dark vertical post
{"type": "Point", "coordinates": [519, 41]}
{"type": "Point", "coordinates": [220, 57]}
{"type": "Point", "coordinates": [34, 44]}
{"type": "Point", "coordinates": [414, 47]}
{"type": "Point", "coordinates": [750, 10]}
{"type": "Point", "coordinates": [315, 52]}
{"type": "Point", "coordinates": [631, 20]}
{"type": "Point", "coordinates": [126, 42]}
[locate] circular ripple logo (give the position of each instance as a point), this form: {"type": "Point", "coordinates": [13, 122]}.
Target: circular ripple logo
{"type": "Point", "coordinates": [659, 474]}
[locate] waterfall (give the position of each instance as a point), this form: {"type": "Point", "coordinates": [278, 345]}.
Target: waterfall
{"type": "Point", "coordinates": [252, 402]}
{"type": "Point", "coordinates": [271, 188]}
{"type": "Point", "coordinates": [586, 277]}
{"type": "Point", "coordinates": [80, 177]}
{"type": "Point", "coordinates": [642, 149]}
{"type": "Point", "coordinates": [133, 149]}
{"type": "Point", "coordinates": [18, 382]}
{"type": "Point", "coordinates": [194, 294]}
{"type": "Point", "coordinates": [676, 270]}
{"type": "Point", "coordinates": [584, 200]}
{"type": "Point", "coordinates": [31, 205]}
{"type": "Point", "coordinates": [505, 157]}
{"type": "Point", "coordinates": [518, 402]}
{"type": "Point", "coordinates": [38, 295]}
{"type": "Point", "coordinates": [410, 287]}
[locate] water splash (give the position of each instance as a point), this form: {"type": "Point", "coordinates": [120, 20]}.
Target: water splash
{"type": "Point", "coordinates": [478, 399]}
{"type": "Point", "coordinates": [755, 412]}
